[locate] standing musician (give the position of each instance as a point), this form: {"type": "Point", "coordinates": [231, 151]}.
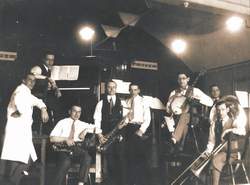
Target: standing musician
{"type": "Point", "coordinates": [139, 120]}
{"type": "Point", "coordinates": [71, 130]}
{"type": "Point", "coordinates": [46, 89]}
{"type": "Point", "coordinates": [42, 73]}
{"type": "Point", "coordinates": [229, 117]}
{"type": "Point", "coordinates": [180, 129]}
{"type": "Point", "coordinates": [108, 113]}
{"type": "Point", "coordinates": [215, 93]}
{"type": "Point", "coordinates": [18, 148]}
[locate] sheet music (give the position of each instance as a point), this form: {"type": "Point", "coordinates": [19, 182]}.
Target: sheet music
{"type": "Point", "coordinates": [66, 72]}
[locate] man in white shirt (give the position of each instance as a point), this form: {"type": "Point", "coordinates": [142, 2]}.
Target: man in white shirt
{"type": "Point", "coordinates": [18, 148]}
{"type": "Point", "coordinates": [71, 130]}
{"type": "Point", "coordinates": [108, 113]}
{"type": "Point", "coordinates": [220, 126]}
{"type": "Point", "coordinates": [179, 128]}
{"type": "Point", "coordinates": [138, 118]}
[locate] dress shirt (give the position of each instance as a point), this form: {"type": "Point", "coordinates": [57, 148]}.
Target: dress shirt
{"type": "Point", "coordinates": [197, 94]}
{"type": "Point", "coordinates": [18, 145]}
{"type": "Point", "coordinates": [236, 126]}
{"type": "Point", "coordinates": [98, 110]}
{"type": "Point", "coordinates": [141, 112]}
{"type": "Point", "coordinates": [63, 128]}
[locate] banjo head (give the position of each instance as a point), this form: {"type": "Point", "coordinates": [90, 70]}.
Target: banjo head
{"type": "Point", "coordinates": [177, 105]}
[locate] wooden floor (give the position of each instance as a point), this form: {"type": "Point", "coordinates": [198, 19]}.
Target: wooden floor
{"type": "Point", "coordinates": [157, 177]}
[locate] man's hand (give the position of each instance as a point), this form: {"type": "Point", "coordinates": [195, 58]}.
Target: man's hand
{"type": "Point", "coordinates": [44, 115]}
{"type": "Point", "coordinates": [15, 114]}
{"type": "Point", "coordinates": [139, 133]}
{"type": "Point", "coordinates": [82, 134]}
{"type": "Point", "coordinates": [102, 139]}
{"type": "Point", "coordinates": [205, 154]}
{"type": "Point", "coordinates": [70, 142]}
{"type": "Point", "coordinates": [225, 134]}
{"type": "Point", "coordinates": [53, 83]}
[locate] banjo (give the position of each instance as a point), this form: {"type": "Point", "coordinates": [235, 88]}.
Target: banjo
{"type": "Point", "coordinates": [179, 103]}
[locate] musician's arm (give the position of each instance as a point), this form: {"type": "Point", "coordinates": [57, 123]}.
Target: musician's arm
{"type": "Point", "coordinates": [98, 120]}
{"type": "Point", "coordinates": [89, 128]}
{"type": "Point", "coordinates": [202, 97]}
{"type": "Point", "coordinates": [211, 138]}
{"type": "Point", "coordinates": [240, 123]}
{"type": "Point", "coordinates": [98, 114]}
{"type": "Point", "coordinates": [168, 109]}
{"type": "Point", "coordinates": [147, 119]}
{"type": "Point", "coordinates": [57, 139]}
{"type": "Point", "coordinates": [37, 72]}
{"type": "Point", "coordinates": [55, 135]}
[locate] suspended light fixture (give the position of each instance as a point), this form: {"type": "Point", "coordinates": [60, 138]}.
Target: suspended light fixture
{"type": "Point", "coordinates": [178, 46]}
{"type": "Point", "coordinates": [234, 23]}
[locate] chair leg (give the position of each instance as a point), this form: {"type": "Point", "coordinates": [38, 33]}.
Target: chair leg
{"type": "Point", "coordinates": [245, 172]}
{"type": "Point", "coordinates": [232, 173]}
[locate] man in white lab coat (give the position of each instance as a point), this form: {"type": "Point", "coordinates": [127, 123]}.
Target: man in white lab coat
{"type": "Point", "coordinates": [18, 148]}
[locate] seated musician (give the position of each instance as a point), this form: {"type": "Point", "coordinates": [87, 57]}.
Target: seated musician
{"type": "Point", "coordinates": [225, 121]}
{"type": "Point", "coordinates": [177, 121]}
{"type": "Point", "coordinates": [71, 130]}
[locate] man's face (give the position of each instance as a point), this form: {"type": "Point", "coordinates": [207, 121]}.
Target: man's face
{"type": "Point", "coordinates": [75, 112]}
{"type": "Point", "coordinates": [49, 61]}
{"type": "Point", "coordinates": [30, 81]}
{"type": "Point", "coordinates": [134, 90]}
{"type": "Point", "coordinates": [111, 88]}
{"type": "Point", "coordinates": [222, 110]}
{"type": "Point", "coordinates": [215, 92]}
{"type": "Point", "coordinates": [183, 80]}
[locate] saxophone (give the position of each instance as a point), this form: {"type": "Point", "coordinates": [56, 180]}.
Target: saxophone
{"type": "Point", "coordinates": [113, 135]}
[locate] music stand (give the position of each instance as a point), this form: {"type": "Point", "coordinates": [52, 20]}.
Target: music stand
{"type": "Point", "coordinates": [155, 104]}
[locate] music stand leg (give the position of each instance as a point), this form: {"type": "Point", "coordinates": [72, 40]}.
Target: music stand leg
{"type": "Point", "coordinates": [195, 139]}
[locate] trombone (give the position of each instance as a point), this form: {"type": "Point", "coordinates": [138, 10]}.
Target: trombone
{"type": "Point", "coordinates": [198, 164]}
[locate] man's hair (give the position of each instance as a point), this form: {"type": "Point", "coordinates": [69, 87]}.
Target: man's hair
{"type": "Point", "coordinates": [110, 81]}
{"type": "Point", "coordinates": [26, 74]}
{"type": "Point", "coordinates": [185, 73]}
{"type": "Point", "coordinates": [135, 84]}
{"type": "Point", "coordinates": [220, 103]}
{"type": "Point", "coordinates": [213, 85]}
{"type": "Point", "coordinates": [75, 104]}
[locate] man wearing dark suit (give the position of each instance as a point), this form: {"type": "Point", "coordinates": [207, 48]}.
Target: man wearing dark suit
{"type": "Point", "coordinates": [108, 113]}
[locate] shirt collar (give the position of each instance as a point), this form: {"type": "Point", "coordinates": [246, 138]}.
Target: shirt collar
{"type": "Point", "coordinates": [225, 119]}
{"type": "Point", "coordinates": [46, 67]}
{"type": "Point", "coordinates": [25, 87]}
{"type": "Point", "coordinates": [183, 89]}
{"type": "Point", "coordinates": [111, 96]}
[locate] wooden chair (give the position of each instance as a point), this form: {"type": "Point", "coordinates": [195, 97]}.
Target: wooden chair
{"type": "Point", "coordinates": [94, 169]}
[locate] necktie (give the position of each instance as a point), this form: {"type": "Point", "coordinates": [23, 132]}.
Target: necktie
{"type": "Point", "coordinates": [132, 106]}
{"type": "Point", "coordinates": [72, 131]}
{"type": "Point", "coordinates": [111, 105]}
{"type": "Point", "coordinates": [218, 132]}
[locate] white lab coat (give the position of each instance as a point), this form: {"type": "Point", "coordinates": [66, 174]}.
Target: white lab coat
{"type": "Point", "coordinates": [18, 145]}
